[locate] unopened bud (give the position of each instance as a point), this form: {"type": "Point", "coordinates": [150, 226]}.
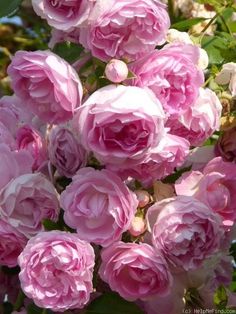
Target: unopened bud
{"type": "Point", "coordinates": [116, 71]}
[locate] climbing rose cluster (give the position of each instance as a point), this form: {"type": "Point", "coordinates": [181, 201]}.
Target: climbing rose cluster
{"type": "Point", "coordinates": [86, 203]}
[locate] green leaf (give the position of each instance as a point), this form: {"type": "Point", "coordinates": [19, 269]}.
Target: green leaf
{"type": "Point", "coordinates": [68, 51]}
{"type": "Point", "coordinates": [7, 7]}
{"type": "Point", "coordinates": [33, 309]}
{"type": "Point", "coordinates": [214, 46]}
{"type": "Point", "coordinates": [51, 225]}
{"type": "Point", "coordinates": [186, 24]}
{"type": "Point", "coordinates": [112, 302]}
{"type": "Point", "coordinates": [220, 297]}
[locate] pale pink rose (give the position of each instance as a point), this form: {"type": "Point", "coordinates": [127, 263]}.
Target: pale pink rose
{"type": "Point", "coordinates": [172, 74]}
{"type": "Point", "coordinates": [13, 164]}
{"type": "Point", "coordinates": [6, 137]}
{"type": "Point", "coordinates": [26, 201]}
{"type": "Point", "coordinates": [186, 231]}
{"type": "Point", "coordinates": [13, 113]}
{"type": "Point", "coordinates": [98, 205]}
{"type": "Point", "coordinates": [199, 157]}
{"type": "Point", "coordinates": [200, 120]}
{"type": "Point", "coordinates": [135, 271]}
{"type": "Point", "coordinates": [120, 124]}
{"type": "Point", "coordinates": [57, 270]}
{"type": "Point", "coordinates": [47, 84]}
{"type": "Point", "coordinates": [137, 227]}
{"type": "Point", "coordinates": [227, 75]}
{"type": "Point", "coordinates": [160, 162]}
{"type": "Point", "coordinates": [125, 29]}
{"type": "Point", "coordinates": [65, 152]}
{"type": "Point", "coordinates": [116, 71]}
{"type": "Point", "coordinates": [31, 140]}
{"type": "Point", "coordinates": [173, 303]}
{"type": "Point", "coordinates": [11, 244]}
{"type": "Point", "coordinates": [215, 186]}
{"type": "Point", "coordinates": [63, 14]}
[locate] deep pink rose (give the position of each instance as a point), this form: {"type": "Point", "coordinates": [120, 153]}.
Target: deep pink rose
{"type": "Point", "coordinates": [32, 141]}
{"type": "Point", "coordinates": [125, 29]}
{"type": "Point", "coordinates": [135, 271]}
{"type": "Point", "coordinates": [120, 124]}
{"type": "Point", "coordinates": [215, 186]}
{"type": "Point", "coordinates": [200, 120]}
{"type": "Point", "coordinates": [172, 74]}
{"type": "Point", "coordinates": [26, 201]}
{"type": "Point", "coordinates": [64, 14]}
{"type": "Point", "coordinates": [98, 205]}
{"type": "Point", "coordinates": [186, 231]}
{"type": "Point", "coordinates": [13, 164]}
{"type": "Point", "coordinates": [57, 270]}
{"type": "Point", "coordinates": [65, 152]}
{"type": "Point", "coordinates": [11, 244]}
{"type": "Point", "coordinates": [162, 161]}
{"type": "Point", "coordinates": [47, 84]}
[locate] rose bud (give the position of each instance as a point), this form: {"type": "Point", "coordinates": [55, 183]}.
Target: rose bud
{"type": "Point", "coordinates": [116, 71]}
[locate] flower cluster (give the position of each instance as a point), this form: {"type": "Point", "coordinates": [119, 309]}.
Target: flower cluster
{"type": "Point", "coordinates": [91, 160]}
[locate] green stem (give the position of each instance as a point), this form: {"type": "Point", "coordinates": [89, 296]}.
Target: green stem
{"type": "Point", "coordinates": [171, 10]}
{"type": "Point", "coordinates": [212, 20]}
{"type": "Point", "coordinates": [19, 301]}
{"type": "Point", "coordinates": [226, 25]}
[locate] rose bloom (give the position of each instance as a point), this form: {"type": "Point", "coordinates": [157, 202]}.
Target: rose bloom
{"type": "Point", "coordinates": [47, 84]}
{"type": "Point", "coordinates": [185, 230]}
{"type": "Point", "coordinates": [227, 75]}
{"type": "Point", "coordinates": [226, 145]}
{"type": "Point", "coordinates": [65, 152]}
{"type": "Point", "coordinates": [29, 139]}
{"type": "Point", "coordinates": [120, 124]}
{"type": "Point", "coordinates": [161, 161]}
{"type": "Point", "coordinates": [172, 74]}
{"type": "Point", "coordinates": [26, 201]}
{"type": "Point", "coordinates": [57, 270]}
{"type": "Point", "coordinates": [215, 186]}
{"type": "Point", "coordinates": [13, 113]}
{"type": "Point", "coordinates": [63, 14]}
{"type": "Point", "coordinates": [200, 120]}
{"type": "Point", "coordinates": [11, 244]}
{"type": "Point", "coordinates": [6, 137]}
{"type": "Point", "coordinates": [135, 271]}
{"type": "Point", "coordinates": [125, 29]}
{"type": "Point", "coordinates": [13, 164]}
{"type": "Point", "coordinates": [98, 205]}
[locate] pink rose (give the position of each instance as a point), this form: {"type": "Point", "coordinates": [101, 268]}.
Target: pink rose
{"type": "Point", "coordinates": [65, 152]}
{"type": "Point", "coordinates": [6, 137]}
{"type": "Point", "coordinates": [26, 201]}
{"type": "Point", "coordinates": [116, 71]}
{"type": "Point", "coordinates": [135, 271]}
{"type": "Point", "coordinates": [200, 120]}
{"type": "Point", "coordinates": [47, 84]}
{"type": "Point", "coordinates": [227, 75]}
{"type": "Point", "coordinates": [215, 186]}
{"type": "Point", "coordinates": [199, 157]}
{"type": "Point", "coordinates": [125, 29]}
{"type": "Point", "coordinates": [185, 230]}
{"type": "Point", "coordinates": [172, 74]}
{"type": "Point", "coordinates": [32, 141]}
{"type": "Point", "coordinates": [63, 14]}
{"type": "Point", "coordinates": [120, 124]}
{"type": "Point", "coordinates": [11, 244]}
{"type": "Point", "coordinates": [13, 164]}
{"type": "Point", "coordinates": [57, 270]}
{"type": "Point", "coordinates": [98, 205]}
{"type": "Point", "coordinates": [13, 113]}
{"type": "Point", "coordinates": [160, 162]}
